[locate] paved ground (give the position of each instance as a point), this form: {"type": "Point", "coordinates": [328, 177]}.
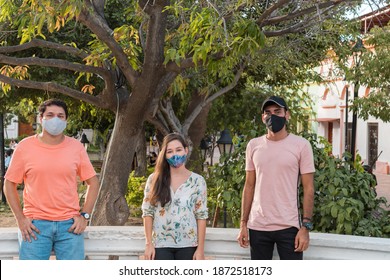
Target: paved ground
{"type": "Point", "coordinates": [383, 188]}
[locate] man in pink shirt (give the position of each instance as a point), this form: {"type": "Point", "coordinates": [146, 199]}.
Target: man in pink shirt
{"type": "Point", "coordinates": [275, 164]}
{"type": "Point", "coordinates": [49, 164]}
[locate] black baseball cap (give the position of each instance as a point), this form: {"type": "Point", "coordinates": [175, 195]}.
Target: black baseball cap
{"type": "Point", "coordinates": [274, 100]}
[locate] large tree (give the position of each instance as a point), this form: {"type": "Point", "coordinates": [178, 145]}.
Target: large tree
{"type": "Point", "coordinates": [139, 54]}
{"type": "Point", "coordinates": [374, 73]}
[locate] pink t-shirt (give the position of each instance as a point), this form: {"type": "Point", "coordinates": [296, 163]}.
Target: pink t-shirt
{"type": "Point", "coordinates": [277, 165]}
{"type": "Point", "coordinates": [50, 176]}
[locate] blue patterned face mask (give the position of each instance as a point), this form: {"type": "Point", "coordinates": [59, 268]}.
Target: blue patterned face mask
{"type": "Point", "coordinates": [176, 160]}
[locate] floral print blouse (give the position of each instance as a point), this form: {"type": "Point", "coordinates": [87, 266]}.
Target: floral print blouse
{"type": "Point", "coordinates": [174, 225]}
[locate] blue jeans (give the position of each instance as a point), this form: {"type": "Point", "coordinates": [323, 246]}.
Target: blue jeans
{"type": "Point", "coordinates": [262, 244]}
{"type": "Point", "coordinates": [54, 236]}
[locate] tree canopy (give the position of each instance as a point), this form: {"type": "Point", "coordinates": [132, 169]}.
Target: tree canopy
{"type": "Point", "coordinates": [130, 57]}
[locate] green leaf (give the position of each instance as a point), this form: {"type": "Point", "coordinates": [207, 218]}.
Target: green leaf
{"type": "Point", "coordinates": [334, 211]}
{"type": "Point", "coordinates": [227, 196]}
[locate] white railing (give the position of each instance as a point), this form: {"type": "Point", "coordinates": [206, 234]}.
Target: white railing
{"type": "Point", "coordinates": [127, 242]}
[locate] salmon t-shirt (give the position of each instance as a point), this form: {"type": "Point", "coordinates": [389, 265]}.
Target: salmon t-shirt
{"type": "Point", "coordinates": [277, 165]}
{"type": "Point", "coordinates": [50, 173]}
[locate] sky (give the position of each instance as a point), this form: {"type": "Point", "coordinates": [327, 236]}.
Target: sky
{"type": "Point", "coordinates": [366, 8]}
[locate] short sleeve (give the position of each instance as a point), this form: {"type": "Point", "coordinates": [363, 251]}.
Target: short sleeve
{"type": "Point", "coordinates": [16, 169]}
{"type": "Point", "coordinates": [148, 210]}
{"type": "Point", "coordinates": [86, 170]}
{"type": "Point", "coordinates": [307, 160]}
{"type": "Point", "coordinates": [201, 210]}
{"type": "Point", "coordinates": [249, 165]}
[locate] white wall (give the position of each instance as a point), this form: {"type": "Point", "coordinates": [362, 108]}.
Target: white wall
{"type": "Point", "coordinates": [12, 130]}
{"type": "Point", "coordinates": [383, 145]}
{"type": "Point", "coordinates": [128, 242]}
{"type": "Point", "coordinates": [336, 148]}
{"type": "Point", "coordinates": [323, 111]}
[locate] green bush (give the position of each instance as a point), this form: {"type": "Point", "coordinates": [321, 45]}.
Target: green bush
{"type": "Point", "coordinates": [225, 182]}
{"type": "Point", "coordinates": [135, 192]}
{"type": "Point", "coordinates": [345, 202]}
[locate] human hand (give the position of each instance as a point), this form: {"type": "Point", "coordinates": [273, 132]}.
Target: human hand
{"type": "Point", "coordinates": [243, 237]}
{"type": "Point", "coordinates": [198, 255]}
{"type": "Point", "coordinates": [79, 225]}
{"type": "Point", "coordinates": [150, 252]}
{"type": "Point", "coordinates": [27, 229]}
{"type": "Point", "coordinates": [302, 240]}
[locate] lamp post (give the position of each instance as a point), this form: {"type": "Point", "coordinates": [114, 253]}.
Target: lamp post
{"type": "Point", "coordinates": [84, 140]}
{"type": "Point", "coordinates": [357, 50]}
{"type": "Point", "coordinates": [225, 146]}
{"type": "Point", "coordinates": [225, 143]}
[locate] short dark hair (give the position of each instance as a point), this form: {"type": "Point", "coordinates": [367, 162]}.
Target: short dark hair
{"type": "Point", "coordinates": [51, 102]}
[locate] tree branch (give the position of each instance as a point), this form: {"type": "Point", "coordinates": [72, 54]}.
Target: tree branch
{"type": "Point", "coordinates": [162, 87]}
{"type": "Point", "coordinates": [190, 119]}
{"type": "Point", "coordinates": [53, 87]}
{"type": "Point", "coordinates": [99, 6]}
{"type": "Point", "coordinates": [169, 115]}
{"type": "Point", "coordinates": [298, 27]}
{"type": "Point", "coordinates": [158, 124]}
{"type": "Point", "coordinates": [274, 20]}
{"type": "Point", "coordinates": [271, 9]}
{"type": "Point", "coordinates": [55, 63]}
{"type": "Point", "coordinates": [99, 27]}
{"type": "Point", "coordinates": [44, 44]}
{"type": "Point", "coordinates": [155, 38]}
{"type": "Point", "coordinates": [184, 64]}
{"type": "Point", "coordinates": [141, 34]}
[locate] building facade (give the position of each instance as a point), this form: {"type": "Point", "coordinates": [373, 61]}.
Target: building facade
{"type": "Point", "coordinates": [334, 118]}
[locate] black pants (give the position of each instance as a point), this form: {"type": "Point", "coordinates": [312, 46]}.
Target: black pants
{"type": "Point", "coordinates": [262, 244]}
{"type": "Point", "coordinates": [186, 253]}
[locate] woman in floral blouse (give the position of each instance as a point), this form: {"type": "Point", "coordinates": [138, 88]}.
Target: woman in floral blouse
{"type": "Point", "coordinates": [175, 206]}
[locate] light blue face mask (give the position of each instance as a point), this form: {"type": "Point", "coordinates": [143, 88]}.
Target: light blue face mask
{"type": "Point", "coordinates": [54, 126]}
{"type": "Point", "coordinates": [176, 160]}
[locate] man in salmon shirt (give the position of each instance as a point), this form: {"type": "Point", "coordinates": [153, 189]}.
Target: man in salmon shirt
{"type": "Point", "coordinates": [275, 163]}
{"type": "Point", "coordinates": [49, 164]}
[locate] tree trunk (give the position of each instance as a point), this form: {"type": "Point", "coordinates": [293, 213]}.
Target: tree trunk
{"type": "Point", "coordinates": [216, 216]}
{"type": "Point", "coordinates": [111, 207]}
{"type": "Point", "coordinates": [197, 130]}
{"type": "Point", "coordinates": [141, 167]}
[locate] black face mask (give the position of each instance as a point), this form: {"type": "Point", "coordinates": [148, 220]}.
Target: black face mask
{"type": "Point", "coordinates": [275, 123]}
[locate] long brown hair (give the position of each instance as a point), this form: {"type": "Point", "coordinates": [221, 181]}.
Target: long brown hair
{"type": "Point", "coordinates": [161, 181]}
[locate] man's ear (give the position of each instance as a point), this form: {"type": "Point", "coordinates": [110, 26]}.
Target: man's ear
{"type": "Point", "coordinates": [288, 116]}
{"type": "Point", "coordinates": [263, 117]}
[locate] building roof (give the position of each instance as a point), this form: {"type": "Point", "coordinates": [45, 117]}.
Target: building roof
{"type": "Point", "coordinates": [378, 17]}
